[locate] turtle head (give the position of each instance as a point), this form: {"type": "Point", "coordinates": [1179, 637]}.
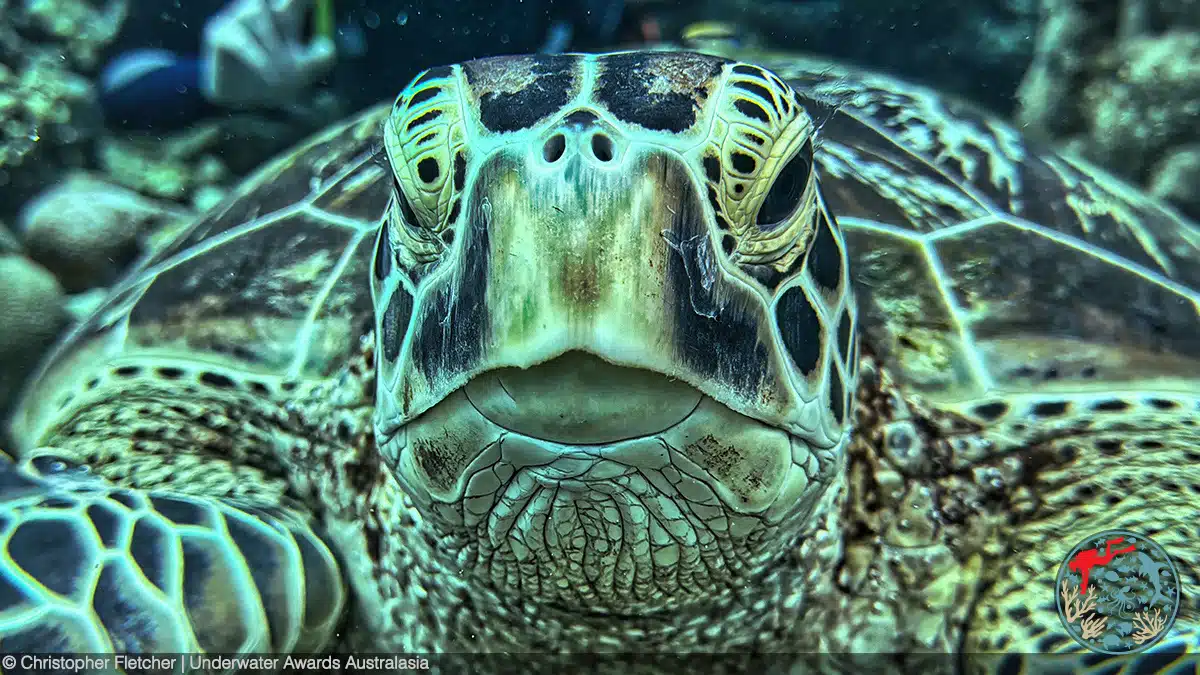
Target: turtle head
{"type": "Point", "coordinates": [614, 324]}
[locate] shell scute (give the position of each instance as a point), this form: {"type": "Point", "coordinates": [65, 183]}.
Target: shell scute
{"type": "Point", "coordinates": [272, 280]}
{"type": "Point", "coordinates": [986, 259]}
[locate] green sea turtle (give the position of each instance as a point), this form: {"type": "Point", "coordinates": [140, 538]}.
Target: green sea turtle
{"type": "Point", "coordinates": [644, 352]}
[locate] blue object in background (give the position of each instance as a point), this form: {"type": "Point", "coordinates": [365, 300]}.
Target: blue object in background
{"type": "Point", "coordinates": [150, 83]}
{"type": "Point", "coordinates": [153, 89]}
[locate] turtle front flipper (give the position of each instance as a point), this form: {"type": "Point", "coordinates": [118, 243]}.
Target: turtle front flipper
{"type": "Point", "coordinates": [89, 567]}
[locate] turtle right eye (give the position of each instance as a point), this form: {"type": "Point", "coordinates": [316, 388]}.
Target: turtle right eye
{"type": "Point", "coordinates": [785, 194]}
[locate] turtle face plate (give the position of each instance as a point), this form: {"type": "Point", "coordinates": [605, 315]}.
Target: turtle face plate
{"type": "Point", "coordinates": [612, 274]}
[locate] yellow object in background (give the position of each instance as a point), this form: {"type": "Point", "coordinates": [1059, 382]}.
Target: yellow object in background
{"type": "Point", "coordinates": [712, 31]}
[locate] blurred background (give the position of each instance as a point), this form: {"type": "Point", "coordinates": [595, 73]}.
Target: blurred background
{"type": "Point", "coordinates": [121, 118]}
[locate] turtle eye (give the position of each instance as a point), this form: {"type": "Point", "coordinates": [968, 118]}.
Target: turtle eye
{"type": "Point", "coordinates": [406, 209]}
{"type": "Point", "coordinates": [783, 198]}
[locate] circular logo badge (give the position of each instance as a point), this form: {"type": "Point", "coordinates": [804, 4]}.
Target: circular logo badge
{"type": "Point", "coordinates": [1117, 592]}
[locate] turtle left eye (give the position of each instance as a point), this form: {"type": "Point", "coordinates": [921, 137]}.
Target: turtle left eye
{"type": "Point", "coordinates": [784, 196]}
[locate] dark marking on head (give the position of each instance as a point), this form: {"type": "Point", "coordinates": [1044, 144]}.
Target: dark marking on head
{"type": "Point", "coordinates": [800, 328]}
{"type": "Point", "coordinates": [169, 372]}
{"type": "Point", "coordinates": [422, 120]}
{"type": "Point", "coordinates": [441, 72]}
{"type": "Point", "coordinates": [992, 411]}
{"type": "Point", "coordinates": [837, 395]}
{"type": "Point", "coordinates": [755, 139]}
{"type": "Point", "coordinates": [383, 253]}
{"type": "Point", "coordinates": [714, 200]}
{"type": "Point", "coordinates": [127, 371]}
{"type": "Point", "coordinates": [431, 136]}
{"type": "Point", "coordinates": [581, 119]}
{"type": "Point", "coordinates": [460, 170]}
{"type": "Point", "coordinates": [217, 380]}
{"type": "Point", "coordinates": [406, 211]}
{"type": "Point", "coordinates": [844, 336]}
{"type": "Point", "coordinates": [825, 258]}
{"type": "Point", "coordinates": [454, 312]}
{"type": "Point", "coordinates": [728, 244]}
{"type": "Point", "coordinates": [1163, 404]}
{"type": "Point", "coordinates": [755, 89]}
{"type": "Point", "coordinates": [657, 91]}
{"type": "Point", "coordinates": [423, 95]}
{"type": "Point", "coordinates": [1051, 408]}
{"type": "Point", "coordinates": [743, 163]}
{"type": "Point", "coordinates": [455, 208]}
{"type": "Point", "coordinates": [395, 322]}
{"type": "Point", "coordinates": [712, 168]}
{"type": "Point", "coordinates": [515, 93]}
{"type": "Point", "coordinates": [743, 69]}
{"type": "Point", "coordinates": [428, 170]}
{"type": "Point", "coordinates": [148, 548]}
{"type": "Point", "coordinates": [729, 346]}
{"type": "Point", "coordinates": [766, 275]}
{"type": "Point", "coordinates": [52, 552]}
{"type": "Point", "coordinates": [752, 110]}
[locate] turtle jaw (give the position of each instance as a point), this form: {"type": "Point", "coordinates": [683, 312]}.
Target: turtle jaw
{"type": "Point", "coordinates": [617, 511]}
{"type": "Point", "coordinates": [580, 399]}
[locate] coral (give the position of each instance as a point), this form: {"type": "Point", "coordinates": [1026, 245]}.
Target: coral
{"type": "Point", "coordinates": [1076, 607]}
{"type": "Point", "coordinates": [160, 166]}
{"type": "Point", "coordinates": [1148, 625]}
{"type": "Point", "coordinates": [81, 26]}
{"type": "Point", "coordinates": [42, 103]}
{"type": "Point", "coordinates": [1119, 83]}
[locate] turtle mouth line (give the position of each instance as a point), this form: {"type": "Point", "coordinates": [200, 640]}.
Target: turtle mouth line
{"type": "Point", "coordinates": [580, 399]}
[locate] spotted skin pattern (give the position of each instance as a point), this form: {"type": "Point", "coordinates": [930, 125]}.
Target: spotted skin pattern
{"type": "Point", "coordinates": [1012, 333]}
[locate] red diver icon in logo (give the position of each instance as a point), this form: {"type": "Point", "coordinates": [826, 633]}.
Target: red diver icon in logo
{"type": "Point", "coordinates": [1085, 560]}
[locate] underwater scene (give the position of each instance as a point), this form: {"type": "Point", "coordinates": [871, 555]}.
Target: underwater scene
{"type": "Point", "coordinates": [612, 336]}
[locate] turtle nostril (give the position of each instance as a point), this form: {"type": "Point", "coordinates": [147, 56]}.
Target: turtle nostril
{"type": "Point", "coordinates": [602, 147]}
{"type": "Point", "coordinates": [554, 148]}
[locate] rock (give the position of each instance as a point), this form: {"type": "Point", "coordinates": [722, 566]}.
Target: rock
{"type": "Point", "coordinates": [87, 231]}
{"type": "Point", "coordinates": [32, 313]}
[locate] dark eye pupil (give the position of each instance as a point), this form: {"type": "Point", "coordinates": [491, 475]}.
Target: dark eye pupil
{"type": "Point", "coordinates": [383, 254]}
{"type": "Point", "coordinates": [406, 209]}
{"type": "Point", "coordinates": [784, 196]}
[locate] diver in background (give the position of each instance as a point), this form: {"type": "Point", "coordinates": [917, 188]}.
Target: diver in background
{"type": "Point", "coordinates": [206, 57]}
